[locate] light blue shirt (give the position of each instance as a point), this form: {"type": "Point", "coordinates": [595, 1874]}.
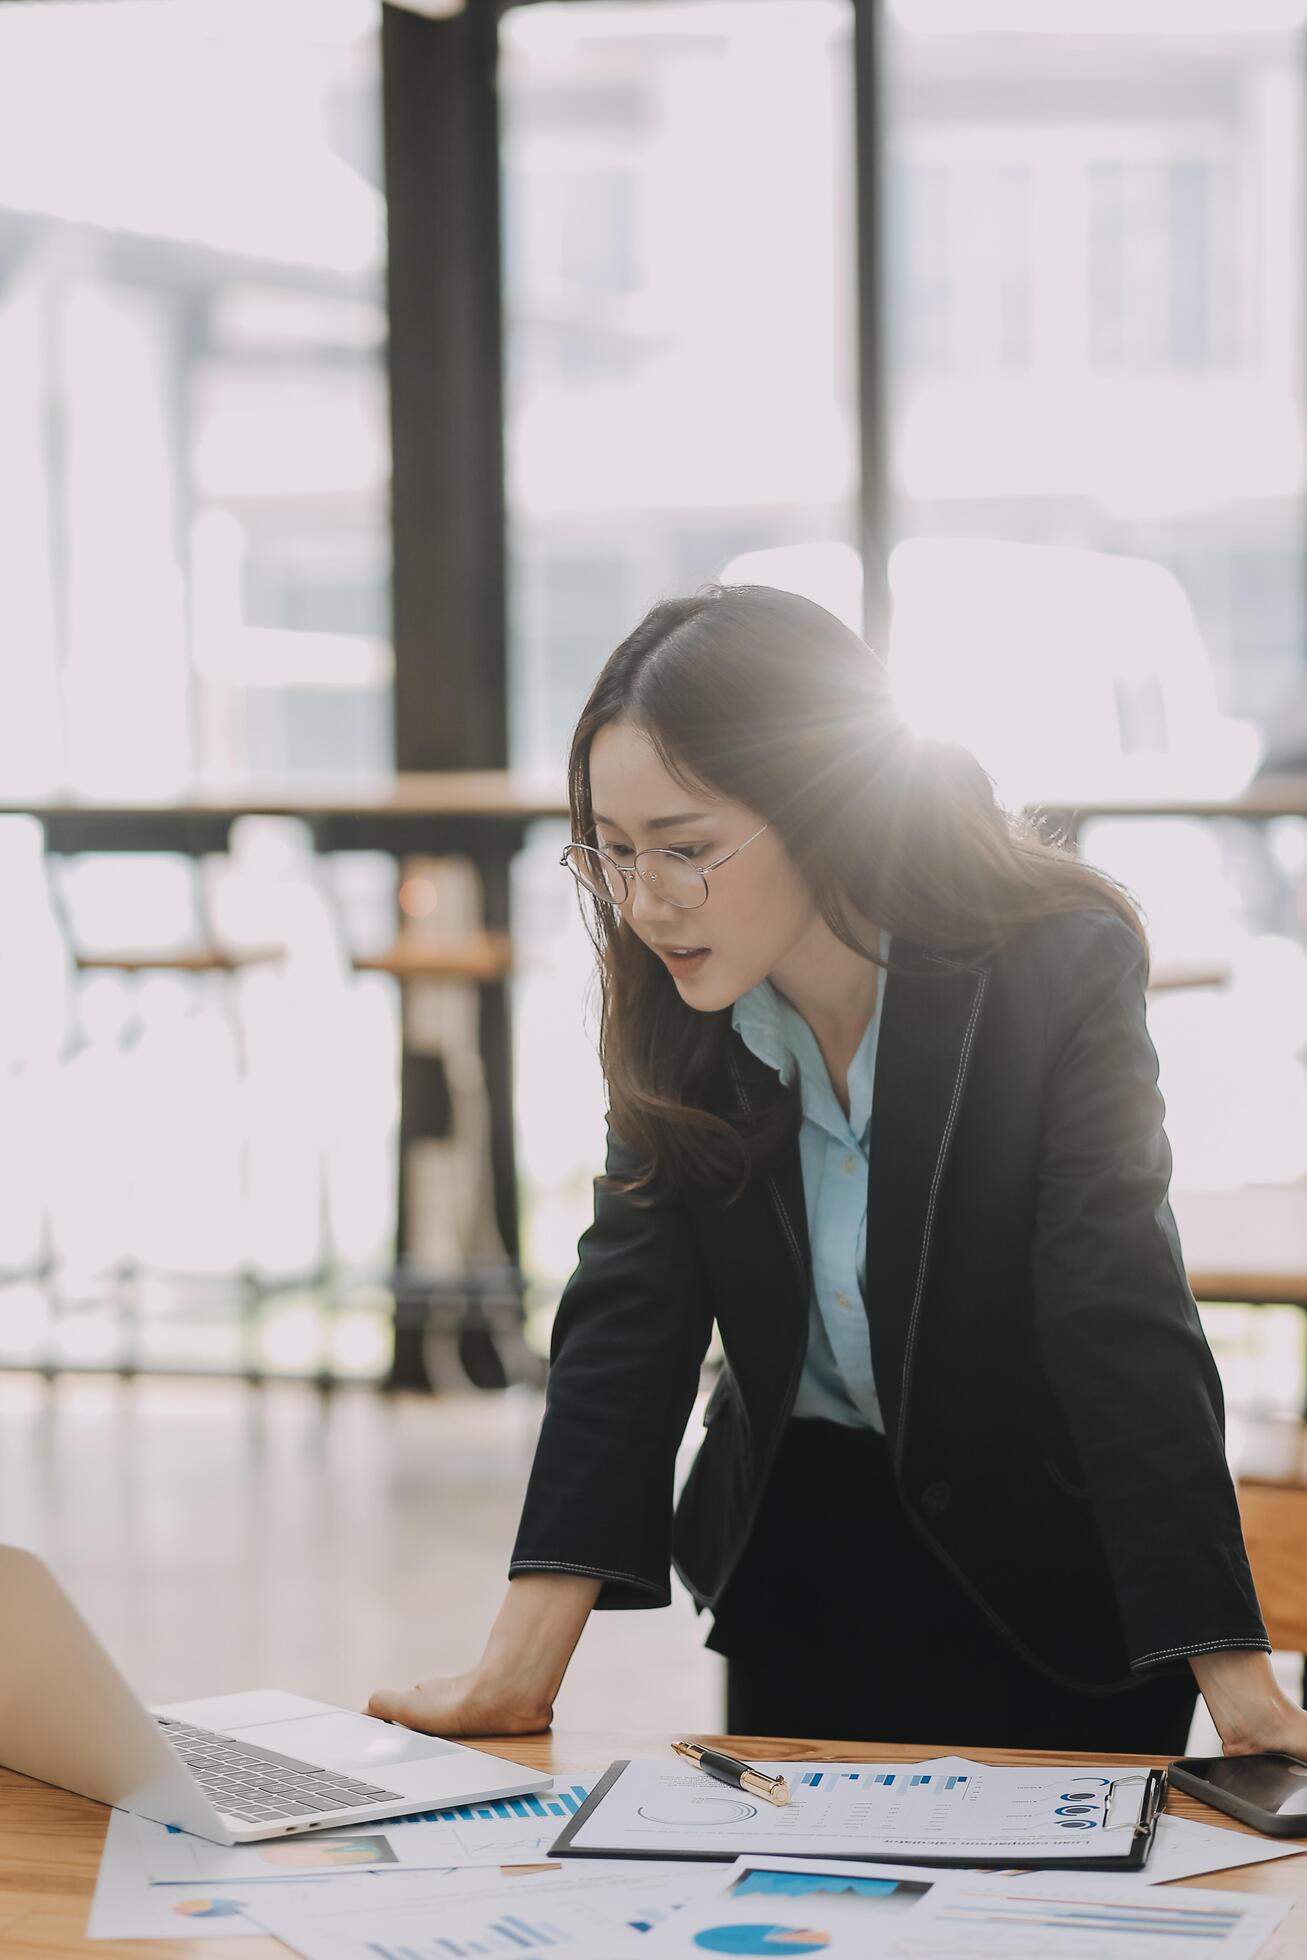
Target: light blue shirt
{"type": "Point", "coordinates": [837, 1381]}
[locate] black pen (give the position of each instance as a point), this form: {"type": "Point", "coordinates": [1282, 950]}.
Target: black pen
{"type": "Point", "coordinates": [728, 1769]}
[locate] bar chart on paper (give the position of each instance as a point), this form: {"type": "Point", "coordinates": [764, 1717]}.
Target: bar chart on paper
{"type": "Point", "coordinates": [507, 1934]}
{"type": "Point", "coordinates": [886, 1779]}
{"type": "Point", "coordinates": [474, 1916]}
{"type": "Point", "coordinates": [512, 1830]}
{"type": "Point", "coordinates": [965, 1922]}
{"type": "Point", "coordinates": [554, 1803]}
{"type": "Point", "coordinates": [434, 1929]}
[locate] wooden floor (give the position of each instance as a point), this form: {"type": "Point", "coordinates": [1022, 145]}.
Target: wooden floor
{"type": "Point", "coordinates": [220, 1537]}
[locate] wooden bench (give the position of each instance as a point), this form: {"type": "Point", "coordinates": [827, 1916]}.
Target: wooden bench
{"type": "Point", "coordinates": [180, 959]}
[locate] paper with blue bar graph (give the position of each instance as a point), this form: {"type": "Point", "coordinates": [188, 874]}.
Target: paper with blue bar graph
{"type": "Point", "coordinates": [948, 1811]}
{"type": "Point", "coordinates": [509, 1831]}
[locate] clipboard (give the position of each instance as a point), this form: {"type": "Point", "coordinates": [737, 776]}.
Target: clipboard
{"type": "Point", "coordinates": [1131, 1857]}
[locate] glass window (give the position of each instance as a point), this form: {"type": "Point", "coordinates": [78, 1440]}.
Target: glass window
{"type": "Point", "coordinates": [681, 391]}
{"type": "Point", "coordinates": [1097, 479]}
{"type": "Point", "coordinates": [1163, 243]}
{"type": "Point", "coordinates": [1095, 286]}
{"type": "Point", "coordinates": [194, 590]}
{"type": "Point", "coordinates": [679, 271]}
{"type": "Point", "coordinates": [194, 477]}
{"type": "Point", "coordinates": [960, 285]}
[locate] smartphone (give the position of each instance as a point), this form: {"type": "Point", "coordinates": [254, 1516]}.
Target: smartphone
{"type": "Point", "coordinates": [1269, 1792]}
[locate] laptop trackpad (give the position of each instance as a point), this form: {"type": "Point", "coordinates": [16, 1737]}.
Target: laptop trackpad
{"type": "Point", "coordinates": [365, 1748]}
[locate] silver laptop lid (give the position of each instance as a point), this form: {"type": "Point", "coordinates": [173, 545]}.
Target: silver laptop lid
{"type": "Point", "coordinates": [68, 1717]}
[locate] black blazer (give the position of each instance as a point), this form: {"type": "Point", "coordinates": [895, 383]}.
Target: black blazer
{"type": "Point", "coordinates": [1054, 1412]}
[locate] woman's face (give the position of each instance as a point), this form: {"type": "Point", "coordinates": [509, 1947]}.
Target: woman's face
{"type": "Point", "coordinates": [758, 908]}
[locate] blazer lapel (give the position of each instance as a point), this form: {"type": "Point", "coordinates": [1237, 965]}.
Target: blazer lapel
{"type": "Point", "coordinates": [929, 1018]}
{"type": "Point", "coordinates": [751, 1079]}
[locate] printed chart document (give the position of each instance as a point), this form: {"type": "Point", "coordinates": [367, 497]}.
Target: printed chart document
{"type": "Point", "coordinates": [604, 1912]}
{"type": "Point", "coordinates": [155, 1882]}
{"type": "Point", "coordinates": [796, 1905]}
{"type": "Point", "coordinates": [976, 1917]}
{"type": "Point", "coordinates": [509, 1831]}
{"type": "Point", "coordinates": [127, 1906]}
{"type": "Point", "coordinates": [956, 1813]}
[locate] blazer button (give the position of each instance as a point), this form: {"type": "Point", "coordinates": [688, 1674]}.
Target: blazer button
{"type": "Point", "coordinates": [936, 1498]}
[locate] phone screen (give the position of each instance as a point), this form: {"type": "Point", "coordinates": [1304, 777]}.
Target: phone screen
{"type": "Point", "coordinates": [1277, 1784]}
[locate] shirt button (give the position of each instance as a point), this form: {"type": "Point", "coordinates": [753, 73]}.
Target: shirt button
{"type": "Point", "coordinates": [841, 1299]}
{"type": "Point", "coordinates": [850, 1164]}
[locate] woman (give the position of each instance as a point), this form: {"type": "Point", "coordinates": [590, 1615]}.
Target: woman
{"type": "Point", "coordinates": [963, 1480]}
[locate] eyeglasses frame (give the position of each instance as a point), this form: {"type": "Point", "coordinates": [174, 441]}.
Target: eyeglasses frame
{"type": "Point", "coordinates": [629, 871]}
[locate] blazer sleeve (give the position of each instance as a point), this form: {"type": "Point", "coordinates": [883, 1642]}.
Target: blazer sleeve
{"type": "Point", "coordinates": [1120, 1339]}
{"type": "Point", "coordinates": [629, 1338]}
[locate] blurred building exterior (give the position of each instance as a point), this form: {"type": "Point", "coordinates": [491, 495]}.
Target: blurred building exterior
{"type": "Point", "coordinates": [195, 473]}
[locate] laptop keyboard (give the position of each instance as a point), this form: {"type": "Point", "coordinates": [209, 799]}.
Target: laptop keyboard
{"type": "Point", "coordinates": [256, 1784]}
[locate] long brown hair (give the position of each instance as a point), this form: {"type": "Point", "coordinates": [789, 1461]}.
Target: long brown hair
{"type": "Point", "coordinates": [765, 699]}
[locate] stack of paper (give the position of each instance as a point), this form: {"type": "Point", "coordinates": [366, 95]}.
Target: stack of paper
{"type": "Point", "coordinates": [480, 1881]}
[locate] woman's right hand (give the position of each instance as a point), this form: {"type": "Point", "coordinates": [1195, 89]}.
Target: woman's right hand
{"type": "Point", "coordinates": [459, 1705]}
{"type": "Point", "coordinates": [511, 1689]}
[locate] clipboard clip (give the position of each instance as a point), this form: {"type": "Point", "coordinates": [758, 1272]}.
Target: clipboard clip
{"type": "Point", "coordinates": [1142, 1824]}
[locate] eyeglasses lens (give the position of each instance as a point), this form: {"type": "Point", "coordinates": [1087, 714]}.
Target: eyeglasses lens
{"type": "Point", "coordinates": [674, 878]}
{"type": "Point", "coordinates": [669, 875]}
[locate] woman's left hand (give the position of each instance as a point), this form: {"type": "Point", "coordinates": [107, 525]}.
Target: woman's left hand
{"type": "Point", "coordinates": [1251, 1711]}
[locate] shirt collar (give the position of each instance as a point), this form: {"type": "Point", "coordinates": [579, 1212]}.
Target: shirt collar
{"type": "Point", "coordinates": [778, 1035]}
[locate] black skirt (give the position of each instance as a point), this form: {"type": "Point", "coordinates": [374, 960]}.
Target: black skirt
{"type": "Point", "coordinates": [839, 1622]}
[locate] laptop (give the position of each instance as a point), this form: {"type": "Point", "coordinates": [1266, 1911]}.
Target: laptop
{"type": "Point", "coordinates": [233, 1768]}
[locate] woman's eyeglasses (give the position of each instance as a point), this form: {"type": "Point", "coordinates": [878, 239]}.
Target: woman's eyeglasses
{"type": "Point", "coordinates": [670, 874]}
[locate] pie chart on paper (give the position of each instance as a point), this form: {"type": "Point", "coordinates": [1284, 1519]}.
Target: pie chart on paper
{"type": "Point", "coordinates": [208, 1908]}
{"type": "Point", "coordinates": [697, 1809]}
{"type": "Point", "coordinates": [774, 1940]}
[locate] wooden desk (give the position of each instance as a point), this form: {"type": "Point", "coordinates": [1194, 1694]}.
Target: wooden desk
{"type": "Point", "coordinates": [408, 812]}
{"type": "Point", "coordinates": [50, 1845]}
{"type": "Point", "coordinates": [1266, 797]}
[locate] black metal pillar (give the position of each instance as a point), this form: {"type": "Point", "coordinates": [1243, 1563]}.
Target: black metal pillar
{"type": "Point", "coordinates": [870, 166]}
{"type": "Point", "coordinates": [442, 189]}
{"type": "Point", "coordinates": [441, 130]}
